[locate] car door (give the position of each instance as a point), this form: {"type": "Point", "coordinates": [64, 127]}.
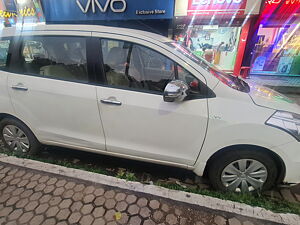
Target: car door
{"type": "Point", "coordinates": [136, 120]}
{"type": "Point", "coordinates": [5, 104]}
{"type": "Point", "coordinates": [49, 86]}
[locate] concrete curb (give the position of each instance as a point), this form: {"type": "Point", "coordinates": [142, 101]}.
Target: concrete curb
{"type": "Point", "coordinates": [199, 200]}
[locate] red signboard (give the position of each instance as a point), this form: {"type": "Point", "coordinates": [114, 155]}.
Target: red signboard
{"type": "Point", "coordinates": [216, 7]}
{"type": "Point", "coordinates": [280, 9]}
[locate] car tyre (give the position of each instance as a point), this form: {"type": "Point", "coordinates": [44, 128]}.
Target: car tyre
{"type": "Point", "coordinates": [253, 167]}
{"type": "Point", "coordinates": [18, 138]}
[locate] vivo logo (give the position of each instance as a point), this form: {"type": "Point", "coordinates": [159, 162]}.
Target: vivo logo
{"type": "Point", "coordinates": [95, 3]}
{"type": "Point", "coordinates": [221, 2]}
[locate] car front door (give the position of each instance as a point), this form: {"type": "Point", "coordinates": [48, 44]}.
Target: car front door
{"type": "Point", "coordinates": [136, 120]}
{"type": "Point", "coordinates": [49, 87]}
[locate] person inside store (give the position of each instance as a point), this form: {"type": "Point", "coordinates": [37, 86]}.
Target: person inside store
{"type": "Point", "coordinates": [188, 42]}
{"type": "Point", "coordinates": [208, 53]}
{"type": "Point", "coordinates": [218, 53]}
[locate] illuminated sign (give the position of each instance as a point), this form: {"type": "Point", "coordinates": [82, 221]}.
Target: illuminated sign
{"type": "Point", "coordinates": [93, 3]}
{"type": "Point", "coordinates": [215, 2]}
{"type": "Point", "coordinates": [6, 14]}
{"type": "Point", "coordinates": [281, 8]}
{"type": "Point", "coordinates": [216, 7]}
{"type": "Point", "coordinates": [25, 12]}
{"type": "Point", "coordinates": [285, 2]}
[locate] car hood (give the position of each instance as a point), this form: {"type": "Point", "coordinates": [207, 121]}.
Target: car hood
{"type": "Point", "coordinates": [269, 98]}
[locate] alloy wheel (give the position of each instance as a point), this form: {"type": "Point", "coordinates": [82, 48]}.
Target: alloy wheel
{"type": "Point", "coordinates": [15, 138]}
{"type": "Point", "coordinates": [244, 175]}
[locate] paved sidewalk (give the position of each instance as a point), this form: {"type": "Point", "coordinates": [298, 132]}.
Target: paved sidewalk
{"type": "Point", "coordinates": [33, 197]}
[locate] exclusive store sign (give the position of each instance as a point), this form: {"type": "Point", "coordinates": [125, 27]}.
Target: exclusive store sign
{"type": "Point", "coordinates": [89, 10]}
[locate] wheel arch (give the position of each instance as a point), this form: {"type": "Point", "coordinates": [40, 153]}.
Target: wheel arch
{"type": "Point", "coordinates": [278, 160]}
{"type": "Point", "coordinates": [6, 115]}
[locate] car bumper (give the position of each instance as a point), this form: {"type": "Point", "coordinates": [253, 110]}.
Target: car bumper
{"type": "Point", "coordinates": [290, 154]}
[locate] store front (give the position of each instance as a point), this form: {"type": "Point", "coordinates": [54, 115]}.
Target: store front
{"type": "Point", "coordinates": [13, 12]}
{"type": "Point", "coordinates": [215, 30]}
{"type": "Point", "coordinates": [277, 43]}
{"type": "Point", "coordinates": [155, 15]}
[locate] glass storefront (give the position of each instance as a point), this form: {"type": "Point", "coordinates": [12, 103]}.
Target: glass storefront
{"type": "Point", "coordinates": [214, 30]}
{"type": "Point", "coordinates": [277, 44]}
{"type": "Point", "coordinates": [217, 44]}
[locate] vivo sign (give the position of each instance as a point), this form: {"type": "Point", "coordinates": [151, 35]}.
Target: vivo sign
{"type": "Point", "coordinates": [103, 8]}
{"type": "Point", "coordinates": [215, 2]}
{"type": "Point", "coordinates": [82, 11]}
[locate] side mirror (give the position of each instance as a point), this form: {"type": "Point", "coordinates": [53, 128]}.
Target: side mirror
{"type": "Point", "coordinates": [176, 90]}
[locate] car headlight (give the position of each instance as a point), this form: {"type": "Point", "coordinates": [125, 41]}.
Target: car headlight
{"type": "Point", "coordinates": [287, 121]}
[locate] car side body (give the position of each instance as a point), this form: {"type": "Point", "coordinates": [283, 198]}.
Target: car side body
{"type": "Point", "coordinates": [92, 115]}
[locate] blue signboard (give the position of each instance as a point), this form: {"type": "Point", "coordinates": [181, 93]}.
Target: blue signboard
{"type": "Point", "coordinates": [88, 10]}
{"type": "Point", "coordinates": [10, 5]}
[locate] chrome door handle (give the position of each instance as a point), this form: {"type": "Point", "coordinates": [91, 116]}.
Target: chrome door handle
{"type": "Point", "coordinates": [111, 102]}
{"type": "Point", "coordinates": [19, 87]}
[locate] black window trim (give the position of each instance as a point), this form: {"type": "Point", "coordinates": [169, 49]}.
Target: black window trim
{"type": "Point", "coordinates": [16, 48]}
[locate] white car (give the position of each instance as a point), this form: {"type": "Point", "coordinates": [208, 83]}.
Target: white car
{"type": "Point", "coordinates": [141, 96]}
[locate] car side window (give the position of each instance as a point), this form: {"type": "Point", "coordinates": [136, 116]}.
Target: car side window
{"type": "Point", "coordinates": [195, 84]}
{"type": "Point", "coordinates": [115, 54]}
{"type": "Point", "coordinates": [136, 67]}
{"type": "Point", "coordinates": [4, 47]}
{"type": "Point", "coordinates": [54, 57]}
{"type": "Point", "coordinates": [157, 69]}
{"type": "Point", "coordinates": [132, 66]}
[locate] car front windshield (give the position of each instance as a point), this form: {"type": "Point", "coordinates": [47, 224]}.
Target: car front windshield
{"type": "Point", "coordinates": [229, 80]}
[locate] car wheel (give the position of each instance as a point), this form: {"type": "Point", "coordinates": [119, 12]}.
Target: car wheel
{"type": "Point", "coordinates": [18, 138]}
{"type": "Point", "coordinates": [243, 171]}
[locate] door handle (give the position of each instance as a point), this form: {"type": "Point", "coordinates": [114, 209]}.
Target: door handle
{"type": "Point", "coordinates": [19, 87]}
{"type": "Point", "coordinates": [111, 102]}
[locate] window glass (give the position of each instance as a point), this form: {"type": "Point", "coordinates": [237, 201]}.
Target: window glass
{"type": "Point", "coordinates": [4, 46]}
{"type": "Point", "coordinates": [158, 70]}
{"type": "Point", "coordinates": [193, 82]}
{"type": "Point", "coordinates": [133, 66]}
{"type": "Point", "coordinates": [55, 57]}
{"type": "Point", "coordinates": [115, 54]}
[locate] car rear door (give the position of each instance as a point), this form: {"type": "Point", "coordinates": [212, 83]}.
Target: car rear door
{"type": "Point", "coordinates": [49, 85]}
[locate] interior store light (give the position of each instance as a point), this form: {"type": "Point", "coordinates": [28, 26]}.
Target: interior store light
{"type": "Point", "coordinates": [22, 2]}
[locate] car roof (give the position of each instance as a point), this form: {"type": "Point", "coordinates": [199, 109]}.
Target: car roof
{"type": "Point", "coordinates": [10, 31]}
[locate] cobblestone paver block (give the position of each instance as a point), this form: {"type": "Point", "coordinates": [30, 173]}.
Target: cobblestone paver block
{"type": "Point", "coordinates": [298, 197]}
{"type": "Point", "coordinates": [33, 198]}
{"type": "Point", "coordinates": [234, 221]}
{"type": "Point", "coordinates": [287, 195]}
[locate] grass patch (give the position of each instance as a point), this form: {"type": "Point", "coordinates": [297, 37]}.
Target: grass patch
{"type": "Point", "coordinates": [252, 199]}
{"type": "Point", "coordinates": [59, 163]}
{"type": "Point", "coordinates": [126, 175]}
